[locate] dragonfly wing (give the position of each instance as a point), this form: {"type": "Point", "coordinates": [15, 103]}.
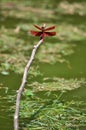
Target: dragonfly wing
{"type": "Point", "coordinates": [37, 27]}
{"type": "Point", "coordinates": [35, 33]}
{"type": "Point", "coordinates": [50, 28]}
{"type": "Point", "coordinates": [46, 34]}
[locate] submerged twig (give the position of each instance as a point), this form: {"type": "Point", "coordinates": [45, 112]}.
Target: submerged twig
{"type": "Point", "coordinates": [16, 115]}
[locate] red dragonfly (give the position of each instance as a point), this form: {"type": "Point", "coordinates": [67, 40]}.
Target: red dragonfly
{"type": "Point", "coordinates": [43, 31]}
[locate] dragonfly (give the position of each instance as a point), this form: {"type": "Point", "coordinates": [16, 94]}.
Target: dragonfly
{"type": "Point", "coordinates": [43, 31]}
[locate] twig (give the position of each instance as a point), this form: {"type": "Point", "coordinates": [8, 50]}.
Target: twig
{"type": "Point", "coordinates": [16, 115]}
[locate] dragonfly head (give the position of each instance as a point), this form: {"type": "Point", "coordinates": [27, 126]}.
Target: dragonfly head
{"type": "Point", "coordinates": [43, 26]}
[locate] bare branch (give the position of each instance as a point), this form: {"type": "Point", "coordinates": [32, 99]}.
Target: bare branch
{"type": "Point", "coordinates": [16, 115]}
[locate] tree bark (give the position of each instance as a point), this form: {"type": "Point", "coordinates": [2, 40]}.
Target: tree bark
{"type": "Point", "coordinates": [19, 92]}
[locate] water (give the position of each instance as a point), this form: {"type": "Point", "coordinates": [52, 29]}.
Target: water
{"type": "Point", "coordinates": [76, 66]}
{"type": "Point", "coordinates": [10, 84]}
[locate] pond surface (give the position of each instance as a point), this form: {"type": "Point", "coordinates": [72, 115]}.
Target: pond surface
{"type": "Point", "coordinates": [75, 69]}
{"type": "Point", "coordinates": [8, 83]}
{"type": "Point", "coordinates": [11, 82]}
